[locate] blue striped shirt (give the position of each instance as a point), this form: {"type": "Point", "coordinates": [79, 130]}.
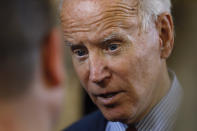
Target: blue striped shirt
{"type": "Point", "coordinates": [162, 117]}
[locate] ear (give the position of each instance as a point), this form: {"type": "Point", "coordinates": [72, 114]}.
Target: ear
{"type": "Point", "coordinates": [53, 68]}
{"type": "Point", "coordinates": [165, 28]}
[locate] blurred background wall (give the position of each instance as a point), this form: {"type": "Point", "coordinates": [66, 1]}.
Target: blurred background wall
{"type": "Point", "coordinates": [183, 61]}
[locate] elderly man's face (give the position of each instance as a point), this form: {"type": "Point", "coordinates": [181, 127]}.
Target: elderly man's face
{"type": "Point", "coordinates": [117, 64]}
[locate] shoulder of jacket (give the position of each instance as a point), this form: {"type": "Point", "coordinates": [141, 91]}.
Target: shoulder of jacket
{"type": "Point", "coordinates": [90, 122]}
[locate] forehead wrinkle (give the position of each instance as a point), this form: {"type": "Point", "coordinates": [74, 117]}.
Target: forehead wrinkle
{"type": "Point", "coordinates": [114, 12]}
{"type": "Point", "coordinates": [76, 30]}
{"type": "Point", "coordinates": [127, 8]}
{"type": "Point", "coordinates": [116, 15]}
{"type": "Point", "coordinates": [100, 21]}
{"type": "Point", "coordinates": [108, 22]}
{"type": "Point", "coordinates": [128, 3]}
{"type": "Point", "coordinates": [115, 27]}
{"type": "Point", "coordinates": [104, 20]}
{"type": "Point", "coordinates": [66, 21]}
{"type": "Point", "coordinates": [117, 9]}
{"type": "Point", "coordinates": [72, 26]}
{"type": "Point", "coordinates": [116, 21]}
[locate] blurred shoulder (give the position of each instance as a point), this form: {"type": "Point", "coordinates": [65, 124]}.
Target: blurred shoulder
{"type": "Point", "coordinates": [92, 122]}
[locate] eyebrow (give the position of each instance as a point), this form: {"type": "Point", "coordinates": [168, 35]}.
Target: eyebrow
{"type": "Point", "coordinates": [109, 38]}
{"type": "Point", "coordinates": [68, 43]}
{"type": "Point", "coordinates": [73, 46]}
{"type": "Point", "coordinates": [113, 37]}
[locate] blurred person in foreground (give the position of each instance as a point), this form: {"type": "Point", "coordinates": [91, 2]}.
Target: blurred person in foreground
{"type": "Point", "coordinates": [31, 66]}
{"type": "Point", "coordinates": [119, 51]}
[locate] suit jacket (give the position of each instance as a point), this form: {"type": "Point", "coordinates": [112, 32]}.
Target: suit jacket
{"type": "Point", "coordinates": [92, 122]}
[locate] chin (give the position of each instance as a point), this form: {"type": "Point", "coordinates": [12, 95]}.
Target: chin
{"type": "Point", "coordinates": [115, 114]}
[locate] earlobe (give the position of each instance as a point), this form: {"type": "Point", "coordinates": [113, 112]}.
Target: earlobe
{"type": "Point", "coordinates": [166, 34]}
{"type": "Point", "coordinates": [53, 69]}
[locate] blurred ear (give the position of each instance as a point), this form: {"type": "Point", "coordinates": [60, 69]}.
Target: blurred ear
{"type": "Point", "coordinates": [165, 28]}
{"type": "Point", "coordinates": [53, 59]}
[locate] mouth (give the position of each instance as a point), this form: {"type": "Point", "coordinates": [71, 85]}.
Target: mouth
{"type": "Point", "coordinates": [108, 99]}
{"type": "Point", "coordinates": [108, 95]}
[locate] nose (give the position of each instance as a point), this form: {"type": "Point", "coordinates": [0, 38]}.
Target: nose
{"type": "Point", "coordinates": [99, 71]}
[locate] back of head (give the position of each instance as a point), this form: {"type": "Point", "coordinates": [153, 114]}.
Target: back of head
{"type": "Point", "coordinates": [31, 67]}
{"type": "Point", "coordinates": [24, 24]}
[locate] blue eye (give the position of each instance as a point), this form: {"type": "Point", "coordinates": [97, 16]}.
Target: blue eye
{"type": "Point", "coordinates": [80, 52]}
{"type": "Point", "coordinates": [113, 47]}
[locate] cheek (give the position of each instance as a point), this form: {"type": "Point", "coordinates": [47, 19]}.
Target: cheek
{"type": "Point", "coordinates": [82, 72]}
{"type": "Point", "coordinates": [125, 75]}
{"type": "Point", "coordinates": [123, 68]}
{"type": "Point", "coordinates": [143, 74]}
{"type": "Point", "coordinates": [134, 72]}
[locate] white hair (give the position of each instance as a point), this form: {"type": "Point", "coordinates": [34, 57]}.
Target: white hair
{"type": "Point", "coordinates": [148, 10]}
{"type": "Point", "coordinates": [60, 5]}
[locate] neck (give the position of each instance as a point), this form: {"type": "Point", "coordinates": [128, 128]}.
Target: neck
{"type": "Point", "coordinates": [163, 86]}
{"type": "Point", "coordinates": [22, 115]}
{"type": "Point", "coordinates": [161, 89]}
